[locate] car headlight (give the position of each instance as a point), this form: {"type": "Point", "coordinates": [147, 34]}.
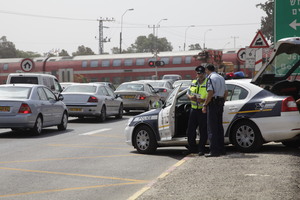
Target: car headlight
{"type": "Point", "coordinates": [129, 121]}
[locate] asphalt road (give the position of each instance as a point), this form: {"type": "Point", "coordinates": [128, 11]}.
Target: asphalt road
{"type": "Point", "coordinates": [89, 160]}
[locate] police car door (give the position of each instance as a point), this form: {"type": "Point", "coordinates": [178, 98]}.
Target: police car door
{"type": "Point", "coordinates": [166, 117]}
{"type": "Point", "coordinates": [237, 97]}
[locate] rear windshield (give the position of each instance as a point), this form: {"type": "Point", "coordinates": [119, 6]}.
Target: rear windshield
{"type": "Point", "coordinates": [81, 88]}
{"type": "Point", "coordinates": [14, 92]}
{"type": "Point", "coordinates": [24, 79]}
{"type": "Point", "coordinates": [134, 87]}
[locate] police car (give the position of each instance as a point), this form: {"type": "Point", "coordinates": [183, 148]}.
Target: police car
{"type": "Point", "coordinates": [255, 113]}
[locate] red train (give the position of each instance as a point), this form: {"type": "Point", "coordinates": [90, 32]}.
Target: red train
{"type": "Point", "coordinates": [116, 68]}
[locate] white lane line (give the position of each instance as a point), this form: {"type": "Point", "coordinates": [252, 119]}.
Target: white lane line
{"type": "Point", "coordinates": [96, 131]}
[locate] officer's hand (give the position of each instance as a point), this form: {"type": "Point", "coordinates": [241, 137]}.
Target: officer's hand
{"type": "Point", "coordinates": [204, 109]}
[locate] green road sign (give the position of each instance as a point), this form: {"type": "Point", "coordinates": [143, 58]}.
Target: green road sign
{"type": "Point", "coordinates": [287, 19]}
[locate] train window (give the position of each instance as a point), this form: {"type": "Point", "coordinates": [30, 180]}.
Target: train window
{"type": "Point", "coordinates": [116, 63]}
{"type": "Point", "coordinates": [140, 61]}
{"type": "Point", "coordinates": [5, 66]}
{"type": "Point", "coordinates": [166, 60]}
{"type": "Point", "coordinates": [84, 63]}
{"type": "Point", "coordinates": [128, 62]}
{"type": "Point", "coordinates": [188, 59]}
{"type": "Point", "coordinates": [94, 63]}
{"type": "Point", "coordinates": [105, 63]}
{"type": "Point", "coordinates": [117, 80]}
{"type": "Point", "coordinates": [177, 60]}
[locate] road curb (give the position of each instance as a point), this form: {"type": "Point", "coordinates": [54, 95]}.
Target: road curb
{"type": "Point", "coordinates": [163, 175]}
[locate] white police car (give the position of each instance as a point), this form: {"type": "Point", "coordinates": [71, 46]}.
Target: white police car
{"type": "Point", "coordinates": [252, 115]}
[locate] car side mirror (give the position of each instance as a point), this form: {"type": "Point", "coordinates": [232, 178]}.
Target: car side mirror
{"type": "Point", "coordinates": [60, 97]}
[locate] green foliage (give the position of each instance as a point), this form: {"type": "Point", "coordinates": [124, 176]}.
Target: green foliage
{"type": "Point", "coordinates": [27, 54]}
{"type": "Point", "coordinates": [7, 48]}
{"type": "Point", "coordinates": [146, 44]}
{"type": "Point", "coordinates": [63, 53]}
{"type": "Point", "coordinates": [267, 23]}
{"type": "Point", "coordinates": [82, 50]}
{"type": "Point", "coordinates": [195, 46]}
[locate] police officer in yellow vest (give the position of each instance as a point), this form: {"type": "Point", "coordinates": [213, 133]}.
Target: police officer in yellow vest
{"type": "Point", "coordinates": [197, 94]}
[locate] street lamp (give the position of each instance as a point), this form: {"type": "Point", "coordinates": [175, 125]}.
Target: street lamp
{"type": "Point", "coordinates": [185, 35]}
{"type": "Point", "coordinates": [204, 37]}
{"type": "Point", "coordinates": [155, 44]}
{"type": "Point", "coordinates": [131, 9]}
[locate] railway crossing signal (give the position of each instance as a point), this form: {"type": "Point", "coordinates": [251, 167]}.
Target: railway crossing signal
{"type": "Point", "coordinates": [157, 63]}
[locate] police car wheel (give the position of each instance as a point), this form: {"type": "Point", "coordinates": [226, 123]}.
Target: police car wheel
{"type": "Point", "coordinates": [144, 140]}
{"type": "Point", "coordinates": [246, 136]}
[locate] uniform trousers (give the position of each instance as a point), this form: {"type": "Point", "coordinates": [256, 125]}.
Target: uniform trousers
{"type": "Point", "coordinates": [197, 119]}
{"type": "Point", "coordinates": [215, 126]}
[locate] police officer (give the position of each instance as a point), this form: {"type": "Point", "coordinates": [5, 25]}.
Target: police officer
{"type": "Point", "coordinates": [214, 106]}
{"type": "Point", "coordinates": [197, 94]}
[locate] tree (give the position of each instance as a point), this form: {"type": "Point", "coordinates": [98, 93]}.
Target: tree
{"type": "Point", "coordinates": [63, 53]}
{"type": "Point", "coordinates": [27, 54]}
{"type": "Point", "coordinates": [7, 48]}
{"type": "Point", "coordinates": [267, 23]}
{"type": "Point", "coordinates": [147, 44]}
{"type": "Point", "coordinates": [82, 50]}
{"type": "Point", "coordinates": [195, 46]}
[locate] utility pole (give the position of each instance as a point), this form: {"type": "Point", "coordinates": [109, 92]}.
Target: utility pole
{"type": "Point", "coordinates": [101, 41]}
{"type": "Point", "coordinates": [234, 37]}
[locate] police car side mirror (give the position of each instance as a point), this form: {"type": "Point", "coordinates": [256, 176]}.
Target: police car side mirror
{"type": "Point", "coordinates": [157, 104]}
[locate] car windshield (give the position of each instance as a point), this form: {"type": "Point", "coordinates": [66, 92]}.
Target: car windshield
{"type": "Point", "coordinates": [157, 84]}
{"type": "Point", "coordinates": [184, 83]}
{"type": "Point", "coordinates": [135, 87]}
{"type": "Point", "coordinates": [81, 88]}
{"type": "Point", "coordinates": [15, 92]}
{"type": "Point", "coordinates": [282, 64]}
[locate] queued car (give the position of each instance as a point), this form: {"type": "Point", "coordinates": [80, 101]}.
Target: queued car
{"type": "Point", "coordinates": [92, 100]}
{"type": "Point", "coordinates": [184, 84]}
{"type": "Point", "coordinates": [137, 95]}
{"type": "Point", "coordinates": [31, 107]}
{"type": "Point", "coordinates": [252, 116]}
{"type": "Point", "coordinates": [109, 84]}
{"type": "Point", "coordinates": [164, 87]}
{"type": "Point", "coordinates": [171, 77]}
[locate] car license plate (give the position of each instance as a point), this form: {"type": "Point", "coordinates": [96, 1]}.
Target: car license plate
{"type": "Point", "coordinates": [4, 108]}
{"type": "Point", "coordinates": [76, 109]}
{"type": "Point", "coordinates": [128, 97]}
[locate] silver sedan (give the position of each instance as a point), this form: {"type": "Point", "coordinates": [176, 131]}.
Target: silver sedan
{"type": "Point", "coordinates": [31, 107]}
{"type": "Point", "coordinates": [92, 100]}
{"type": "Point", "coordinates": [137, 95]}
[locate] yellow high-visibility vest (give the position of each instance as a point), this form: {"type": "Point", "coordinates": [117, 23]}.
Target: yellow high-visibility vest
{"type": "Point", "coordinates": [200, 91]}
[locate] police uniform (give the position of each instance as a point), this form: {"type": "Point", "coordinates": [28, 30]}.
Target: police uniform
{"type": "Point", "coordinates": [197, 118]}
{"type": "Point", "coordinates": [215, 109]}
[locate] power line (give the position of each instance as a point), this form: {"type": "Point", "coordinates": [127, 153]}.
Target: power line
{"type": "Point", "coordinates": [44, 16]}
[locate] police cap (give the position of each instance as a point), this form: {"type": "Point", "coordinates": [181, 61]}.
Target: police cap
{"type": "Point", "coordinates": [200, 69]}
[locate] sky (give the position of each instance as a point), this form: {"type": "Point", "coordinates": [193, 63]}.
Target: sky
{"type": "Point", "coordinates": [45, 25]}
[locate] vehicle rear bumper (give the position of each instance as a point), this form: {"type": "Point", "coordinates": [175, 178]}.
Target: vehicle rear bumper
{"type": "Point", "coordinates": [20, 121]}
{"type": "Point", "coordinates": [281, 128]}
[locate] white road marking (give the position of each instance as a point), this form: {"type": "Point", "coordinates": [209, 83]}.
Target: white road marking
{"type": "Point", "coordinates": [96, 131]}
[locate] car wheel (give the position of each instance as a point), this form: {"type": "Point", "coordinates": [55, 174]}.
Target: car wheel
{"type": "Point", "coordinates": [102, 116]}
{"type": "Point", "coordinates": [292, 144]}
{"type": "Point", "coordinates": [246, 136]}
{"type": "Point", "coordinates": [120, 114]}
{"type": "Point", "coordinates": [64, 122]}
{"type": "Point", "coordinates": [144, 140]}
{"type": "Point", "coordinates": [37, 129]}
